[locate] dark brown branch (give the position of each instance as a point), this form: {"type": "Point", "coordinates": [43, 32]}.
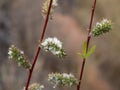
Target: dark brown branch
{"type": "Point", "coordinates": [38, 48]}
{"type": "Point", "coordinates": [88, 41]}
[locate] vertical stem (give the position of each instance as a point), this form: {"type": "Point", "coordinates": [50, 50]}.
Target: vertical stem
{"type": "Point", "coordinates": [38, 48]}
{"type": "Point", "coordinates": [88, 41]}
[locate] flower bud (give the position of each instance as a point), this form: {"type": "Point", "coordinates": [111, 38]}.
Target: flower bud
{"type": "Point", "coordinates": [102, 27]}
{"type": "Point", "coordinates": [35, 86]}
{"type": "Point", "coordinates": [18, 55]}
{"type": "Point", "coordinates": [54, 46]}
{"type": "Point", "coordinates": [46, 6]}
{"type": "Point", "coordinates": [63, 79]}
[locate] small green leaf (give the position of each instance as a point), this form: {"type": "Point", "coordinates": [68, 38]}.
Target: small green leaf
{"type": "Point", "coordinates": [80, 54]}
{"type": "Point", "coordinates": [86, 54]}
{"type": "Point", "coordinates": [83, 54]}
{"type": "Point", "coordinates": [92, 49]}
{"type": "Point", "coordinates": [84, 49]}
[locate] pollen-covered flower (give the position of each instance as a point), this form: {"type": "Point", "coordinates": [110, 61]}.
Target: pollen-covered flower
{"type": "Point", "coordinates": [63, 79]}
{"type": "Point", "coordinates": [35, 86]}
{"type": "Point", "coordinates": [18, 55]}
{"type": "Point", "coordinates": [46, 6]}
{"type": "Point", "coordinates": [54, 46]}
{"type": "Point", "coordinates": [102, 27]}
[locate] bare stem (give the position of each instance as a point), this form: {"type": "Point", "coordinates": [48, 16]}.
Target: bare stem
{"type": "Point", "coordinates": [38, 48]}
{"type": "Point", "coordinates": [88, 41]}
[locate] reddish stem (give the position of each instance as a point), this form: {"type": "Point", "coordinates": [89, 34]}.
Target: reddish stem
{"type": "Point", "coordinates": [38, 48]}
{"type": "Point", "coordinates": [88, 41]}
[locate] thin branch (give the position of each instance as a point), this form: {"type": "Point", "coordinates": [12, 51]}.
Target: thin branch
{"type": "Point", "coordinates": [88, 41]}
{"type": "Point", "coordinates": [38, 48]}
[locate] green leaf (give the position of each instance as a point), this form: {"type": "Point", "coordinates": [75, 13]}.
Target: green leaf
{"type": "Point", "coordinates": [92, 49]}
{"type": "Point", "coordinates": [80, 54]}
{"type": "Point", "coordinates": [83, 54]}
{"type": "Point", "coordinates": [86, 54]}
{"type": "Point", "coordinates": [84, 49]}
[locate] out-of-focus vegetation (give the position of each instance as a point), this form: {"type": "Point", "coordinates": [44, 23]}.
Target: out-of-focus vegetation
{"type": "Point", "coordinates": [21, 23]}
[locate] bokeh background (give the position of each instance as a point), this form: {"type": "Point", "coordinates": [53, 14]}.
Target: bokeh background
{"type": "Point", "coordinates": [21, 23]}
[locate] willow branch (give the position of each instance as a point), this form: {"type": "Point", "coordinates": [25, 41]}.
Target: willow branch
{"type": "Point", "coordinates": [38, 48]}
{"type": "Point", "coordinates": [88, 41]}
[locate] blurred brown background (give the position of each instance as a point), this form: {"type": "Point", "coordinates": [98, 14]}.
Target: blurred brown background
{"type": "Point", "coordinates": [21, 23]}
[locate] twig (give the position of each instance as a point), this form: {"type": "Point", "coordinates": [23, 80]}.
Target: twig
{"type": "Point", "coordinates": [39, 48]}
{"type": "Point", "coordinates": [88, 41]}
